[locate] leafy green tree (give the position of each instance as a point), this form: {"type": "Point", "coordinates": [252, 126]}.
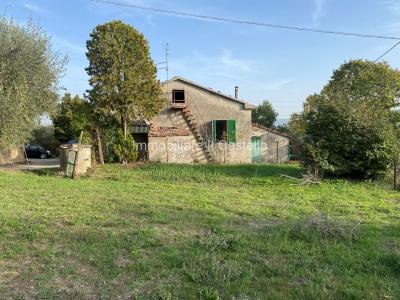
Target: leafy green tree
{"type": "Point", "coordinates": [348, 128]}
{"type": "Point", "coordinates": [264, 114]}
{"type": "Point", "coordinates": [29, 73]}
{"type": "Point", "coordinates": [72, 118]}
{"type": "Point", "coordinates": [122, 74]}
{"type": "Point", "coordinates": [76, 115]}
{"type": "Point", "coordinates": [296, 127]}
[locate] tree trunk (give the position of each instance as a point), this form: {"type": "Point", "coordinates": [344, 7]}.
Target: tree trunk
{"type": "Point", "coordinates": [395, 175]}
{"type": "Point", "coordinates": [124, 131]}
{"type": "Point", "coordinates": [80, 137]}
{"type": "Point", "coordinates": [124, 127]}
{"type": "Point", "coordinates": [99, 146]}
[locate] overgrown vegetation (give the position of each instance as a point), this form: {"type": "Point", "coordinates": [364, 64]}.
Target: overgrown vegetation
{"type": "Point", "coordinates": [190, 232]}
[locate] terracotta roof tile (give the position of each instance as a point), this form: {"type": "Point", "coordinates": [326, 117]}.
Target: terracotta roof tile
{"type": "Point", "coordinates": [168, 131]}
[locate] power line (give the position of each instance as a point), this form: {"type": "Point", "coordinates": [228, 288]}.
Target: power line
{"type": "Point", "coordinates": [223, 19]}
{"type": "Point", "coordinates": [394, 46]}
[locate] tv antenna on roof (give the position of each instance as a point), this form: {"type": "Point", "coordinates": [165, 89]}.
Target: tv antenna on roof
{"type": "Point", "coordinates": [165, 63]}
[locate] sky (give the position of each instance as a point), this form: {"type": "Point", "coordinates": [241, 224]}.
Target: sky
{"type": "Point", "coordinates": [278, 65]}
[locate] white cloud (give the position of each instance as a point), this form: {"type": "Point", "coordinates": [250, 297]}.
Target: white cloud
{"type": "Point", "coordinates": [277, 84]}
{"type": "Point", "coordinates": [392, 5]}
{"type": "Point", "coordinates": [223, 65]}
{"type": "Point", "coordinates": [229, 62]}
{"type": "Point", "coordinates": [62, 43]}
{"type": "Point", "coordinates": [319, 11]}
{"type": "Point", "coordinates": [34, 8]}
{"type": "Point", "coordinates": [149, 19]}
{"type": "Point", "coordinates": [221, 71]}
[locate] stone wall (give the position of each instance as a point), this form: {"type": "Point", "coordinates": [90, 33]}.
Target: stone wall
{"type": "Point", "coordinates": [13, 156]}
{"type": "Point", "coordinates": [175, 149]}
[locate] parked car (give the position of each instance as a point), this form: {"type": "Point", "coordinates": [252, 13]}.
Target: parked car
{"type": "Point", "coordinates": [35, 151]}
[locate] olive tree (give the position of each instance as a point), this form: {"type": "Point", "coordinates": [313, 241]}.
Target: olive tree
{"type": "Point", "coordinates": [29, 73]}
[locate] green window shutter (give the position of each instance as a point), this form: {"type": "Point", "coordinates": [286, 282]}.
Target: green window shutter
{"type": "Point", "coordinates": [231, 131]}
{"type": "Point", "coordinates": [214, 130]}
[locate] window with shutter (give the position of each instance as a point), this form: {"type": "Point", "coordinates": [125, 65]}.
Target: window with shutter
{"type": "Point", "coordinates": [231, 131]}
{"type": "Point", "coordinates": [214, 130]}
{"type": "Point", "coordinates": [224, 131]}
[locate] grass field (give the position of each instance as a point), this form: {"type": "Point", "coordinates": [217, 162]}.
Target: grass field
{"type": "Point", "coordinates": [189, 232]}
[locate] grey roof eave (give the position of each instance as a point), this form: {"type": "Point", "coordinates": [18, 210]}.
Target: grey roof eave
{"type": "Point", "coordinates": [246, 105]}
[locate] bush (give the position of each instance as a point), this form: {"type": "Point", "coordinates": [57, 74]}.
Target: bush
{"type": "Point", "coordinates": [349, 129]}
{"type": "Point", "coordinates": [125, 148]}
{"type": "Point", "coordinates": [339, 143]}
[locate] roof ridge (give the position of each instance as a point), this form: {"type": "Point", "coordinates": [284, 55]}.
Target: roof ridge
{"type": "Point", "coordinates": [246, 104]}
{"type": "Point", "coordinates": [271, 130]}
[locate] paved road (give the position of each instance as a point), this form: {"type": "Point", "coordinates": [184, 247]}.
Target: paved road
{"type": "Point", "coordinates": [34, 164]}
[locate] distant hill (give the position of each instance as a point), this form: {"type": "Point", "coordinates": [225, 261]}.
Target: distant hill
{"type": "Point", "coordinates": [279, 122]}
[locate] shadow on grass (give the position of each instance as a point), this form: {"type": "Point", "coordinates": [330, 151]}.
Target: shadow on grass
{"type": "Point", "coordinates": [46, 172]}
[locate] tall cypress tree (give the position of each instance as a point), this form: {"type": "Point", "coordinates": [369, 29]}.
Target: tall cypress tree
{"type": "Point", "coordinates": [122, 74]}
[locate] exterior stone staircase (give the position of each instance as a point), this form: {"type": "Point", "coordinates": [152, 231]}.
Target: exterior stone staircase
{"type": "Point", "coordinates": [191, 120]}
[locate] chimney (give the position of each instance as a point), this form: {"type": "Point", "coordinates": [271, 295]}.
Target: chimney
{"type": "Point", "coordinates": [236, 92]}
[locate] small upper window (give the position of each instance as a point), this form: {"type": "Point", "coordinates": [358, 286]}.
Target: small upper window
{"type": "Point", "coordinates": [178, 96]}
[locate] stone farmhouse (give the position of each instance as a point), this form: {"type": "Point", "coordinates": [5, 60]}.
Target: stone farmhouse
{"type": "Point", "coordinates": [202, 125]}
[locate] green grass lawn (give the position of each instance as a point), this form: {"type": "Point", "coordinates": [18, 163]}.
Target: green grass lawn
{"type": "Point", "coordinates": [189, 232]}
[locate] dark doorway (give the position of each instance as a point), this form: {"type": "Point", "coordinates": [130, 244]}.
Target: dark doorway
{"type": "Point", "coordinates": [221, 131]}
{"type": "Point", "coordinates": [142, 141]}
